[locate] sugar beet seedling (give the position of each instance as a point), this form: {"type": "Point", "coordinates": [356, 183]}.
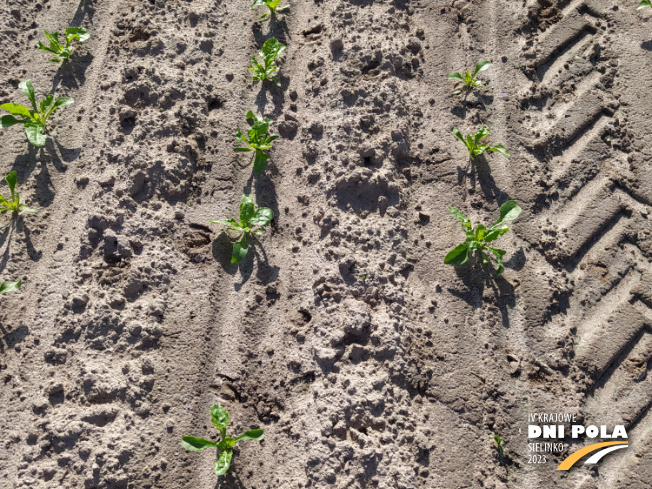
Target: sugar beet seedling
{"type": "Point", "coordinates": [14, 204]}
{"type": "Point", "coordinates": [644, 4]}
{"type": "Point", "coordinates": [271, 50]}
{"type": "Point", "coordinates": [257, 139]}
{"type": "Point", "coordinates": [468, 78]}
{"type": "Point", "coordinates": [499, 444]}
{"type": "Point", "coordinates": [477, 239]}
{"type": "Point", "coordinates": [272, 5]}
{"type": "Point", "coordinates": [6, 287]}
{"type": "Point", "coordinates": [249, 218]}
{"type": "Point", "coordinates": [220, 419]}
{"type": "Point", "coordinates": [472, 142]}
{"type": "Point", "coordinates": [62, 53]}
{"type": "Point", "coordinates": [33, 120]}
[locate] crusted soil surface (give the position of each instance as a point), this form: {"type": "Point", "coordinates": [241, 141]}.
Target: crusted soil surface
{"type": "Point", "coordinates": [367, 361]}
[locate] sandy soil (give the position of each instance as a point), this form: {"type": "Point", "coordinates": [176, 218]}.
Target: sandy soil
{"type": "Point", "coordinates": [367, 361]}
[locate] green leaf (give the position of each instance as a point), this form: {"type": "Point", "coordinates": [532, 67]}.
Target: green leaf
{"type": "Point", "coordinates": [485, 257]}
{"type": "Point", "coordinates": [242, 149]}
{"type": "Point", "coordinates": [501, 149]}
{"type": "Point", "coordinates": [271, 49]}
{"type": "Point", "coordinates": [81, 34]}
{"type": "Point", "coordinates": [472, 243]}
{"type": "Point", "coordinates": [458, 135]}
{"type": "Point", "coordinates": [271, 138]}
{"type": "Point", "coordinates": [481, 66]}
{"type": "Point", "coordinates": [24, 208]}
{"type": "Point", "coordinates": [255, 435]}
{"type": "Point", "coordinates": [237, 229]}
{"type": "Point", "coordinates": [11, 180]}
{"type": "Point", "coordinates": [36, 134]}
{"type": "Point", "coordinates": [53, 40]}
{"type": "Point", "coordinates": [10, 120]}
{"type": "Point", "coordinates": [250, 115]}
{"type": "Point", "coordinates": [455, 76]}
{"type": "Point", "coordinates": [499, 258]}
{"type": "Point", "coordinates": [43, 47]}
{"type": "Point", "coordinates": [260, 161]}
{"type": "Point", "coordinates": [247, 210]}
{"type": "Point", "coordinates": [263, 217]}
{"type": "Point", "coordinates": [458, 255]}
{"type": "Point", "coordinates": [644, 4]}
{"type": "Point", "coordinates": [17, 109]}
{"type": "Point", "coordinates": [45, 104]}
{"type": "Point", "coordinates": [508, 212]}
{"type": "Point", "coordinates": [219, 417]}
{"type": "Point", "coordinates": [240, 249]}
{"type": "Point", "coordinates": [480, 232]}
{"type": "Point", "coordinates": [228, 222]}
{"type": "Point", "coordinates": [495, 232]}
{"type": "Point", "coordinates": [224, 462]}
{"type": "Point", "coordinates": [470, 144]}
{"type": "Point", "coordinates": [28, 89]}
{"type": "Point", "coordinates": [58, 103]}
{"type": "Point", "coordinates": [460, 217]}
{"type": "Point", "coordinates": [482, 133]}
{"type": "Point", "coordinates": [193, 444]}
{"type": "Point", "coordinates": [6, 287]}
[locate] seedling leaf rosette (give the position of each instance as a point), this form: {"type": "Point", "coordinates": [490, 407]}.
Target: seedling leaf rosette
{"type": "Point", "coordinates": [61, 52]}
{"type": "Point", "coordinates": [257, 140]}
{"type": "Point", "coordinates": [33, 120]}
{"type": "Point", "coordinates": [271, 50]}
{"type": "Point", "coordinates": [472, 142]}
{"type": "Point", "coordinates": [477, 238]}
{"type": "Point", "coordinates": [249, 218]}
{"type": "Point", "coordinates": [6, 287]}
{"type": "Point", "coordinates": [14, 204]}
{"type": "Point", "coordinates": [468, 78]}
{"type": "Point", "coordinates": [220, 419]}
{"type": "Point", "coordinates": [499, 443]}
{"type": "Point", "coordinates": [272, 5]}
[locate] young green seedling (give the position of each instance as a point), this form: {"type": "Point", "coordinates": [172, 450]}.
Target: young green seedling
{"type": "Point", "coordinates": [644, 4]}
{"type": "Point", "coordinates": [6, 287]}
{"type": "Point", "coordinates": [469, 79]}
{"type": "Point", "coordinates": [499, 444]}
{"type": "Point", "coordinates": [472, 142]}
{"type": "Point", "coordinates": [272, 5]}
{"type": "Point", "coordinates": [477, 239]}
{"type": "Point", "coordinates": [61, 52]}
{"type": "Point", "coordinates": [271, 50]}
{"type": "Point", "coordinates": [219, 419]}
{"type": "Point", "coordinates": [257, 139]}
{"type": "Point", "coordinates": [33, 120]}
{"type": "Point", "coordinates": [249, 218]}
{"type": "Point", "coordinates": [14, 204]}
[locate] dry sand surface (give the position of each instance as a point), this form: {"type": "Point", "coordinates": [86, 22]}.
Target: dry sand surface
{"type": "Point", "coordinates": [367, 361]}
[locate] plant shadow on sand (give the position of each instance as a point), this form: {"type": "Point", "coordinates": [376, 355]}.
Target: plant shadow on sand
{"type": "Point", "coordinates": [478, 172]}
{"type": "Point", "coordinates": [52, 152]}
{"type": "Point", "coordinates": [222, 250]}
{"type": "Point", "coordinates": [17, 225]}
{"type": "Point", "coordinates": [73, 72]}
{"type": "Point", "coordinates": [230, 480]}
{"type": "Point", "coordinates": [478, 276]}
